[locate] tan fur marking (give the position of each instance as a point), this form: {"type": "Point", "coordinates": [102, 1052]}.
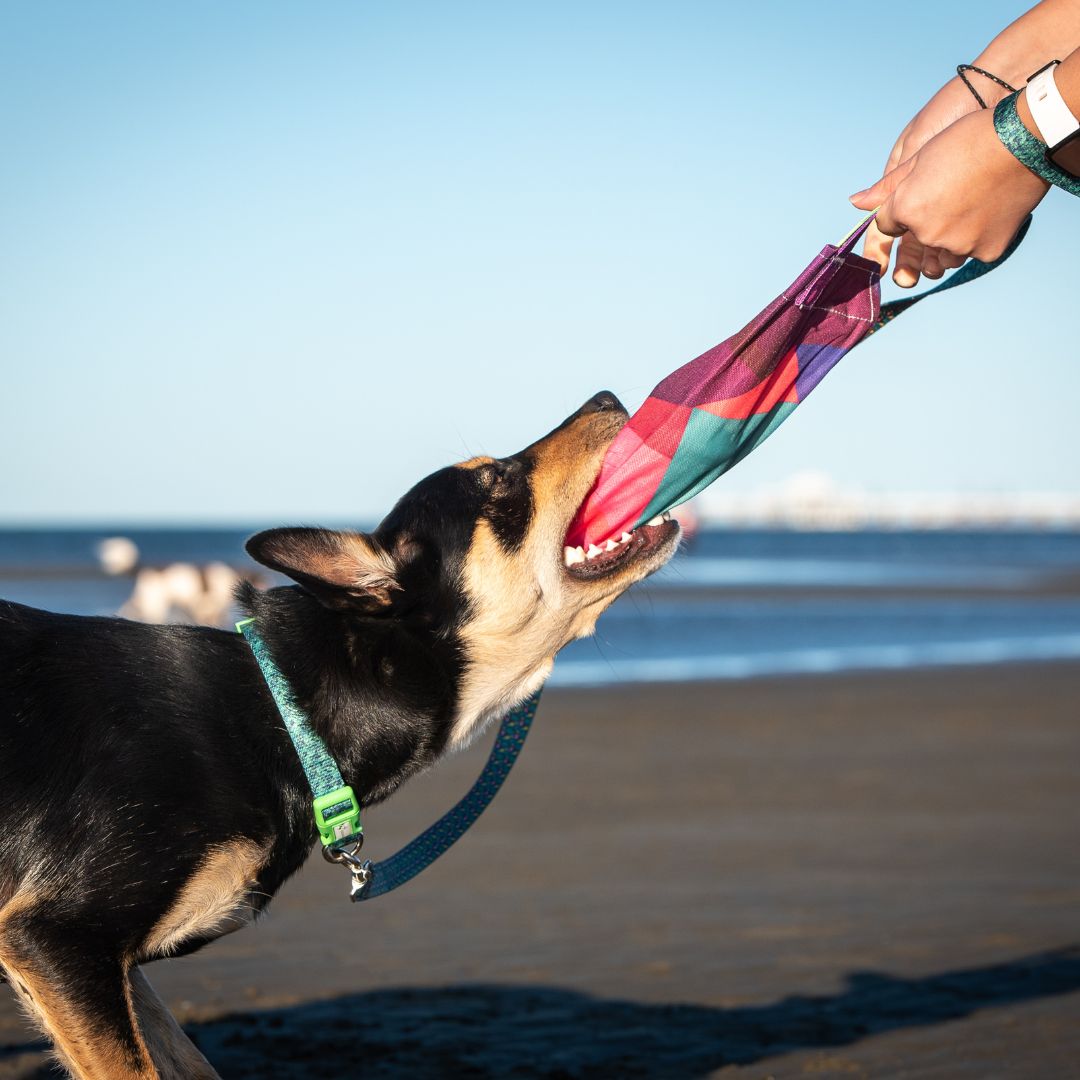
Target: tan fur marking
{"type": "Point", "coordinates": [510, 642]}
{"type": "Point", "coordinates": [174, 1054]}
{"type": "Point", "coordinates": [352, 562]}
{"type": "Point", "coordinates": [86, 1053]}
{"type": "Point", "coordinates": [525, 606]}
{"type": "Point", "coordinates": [363, 566]}
{"type": "Point", "coordinates": [349, 560]}
{"type": "Point", "coordinates": [164, 1051]}
{"type": "Point", "coordinates": [214, 900]}
{"type": "Point", "coordinates": [26, 899]}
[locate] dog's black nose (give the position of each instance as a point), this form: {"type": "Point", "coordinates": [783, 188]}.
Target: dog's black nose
{"type": "Point", "coordinates": [605, 401]}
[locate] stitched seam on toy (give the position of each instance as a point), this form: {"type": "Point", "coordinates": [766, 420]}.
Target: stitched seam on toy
{"type": "Point", "coordinates": [837, 311]}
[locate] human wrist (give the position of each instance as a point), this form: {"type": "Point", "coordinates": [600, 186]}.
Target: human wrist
{"type": "Point", "coordinates": [998, 155]}
{"type": "Point", "coordinates": [1049, 31]}
{"type": "Point", "coordinates": [1011, 63]}
{"type": "Point", "coordinates": [1026, 147]}
{"type": "Point", "coordinates": [985, 85]}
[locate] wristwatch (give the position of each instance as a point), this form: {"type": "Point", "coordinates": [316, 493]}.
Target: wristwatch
{"type": "Point", "coordinates": [1058, 127]}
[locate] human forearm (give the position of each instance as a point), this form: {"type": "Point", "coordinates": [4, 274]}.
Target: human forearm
{"type": "Point", "coordinates": [964, 193]}
{"type": "Point", "coordinates": [1049, 31]}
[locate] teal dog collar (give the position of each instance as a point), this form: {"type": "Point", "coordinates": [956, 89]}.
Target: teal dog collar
{"type": "Point", "coordinates": [337, 813]}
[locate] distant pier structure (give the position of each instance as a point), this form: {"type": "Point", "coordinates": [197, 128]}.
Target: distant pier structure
{"type": "Point", "coordinates": [813, 500]}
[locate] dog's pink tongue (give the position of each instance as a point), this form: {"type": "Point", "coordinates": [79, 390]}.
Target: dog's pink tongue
{"type": "Point", "coordinates": [576, 535]}
{"type": "Point", "coordinates": [627, 482]}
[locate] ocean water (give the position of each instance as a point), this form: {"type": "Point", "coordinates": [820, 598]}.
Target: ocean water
{"type": "Point", "coordinates": [733, 605]}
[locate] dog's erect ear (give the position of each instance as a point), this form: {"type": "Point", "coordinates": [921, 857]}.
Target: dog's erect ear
{"type": "Point", "coordinates": [341, 569]}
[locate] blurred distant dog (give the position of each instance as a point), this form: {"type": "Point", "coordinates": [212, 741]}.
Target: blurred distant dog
{"type": "Point", "coordinates": [179, 592]}
{"type": "Point", "coordinates": [150, 798]}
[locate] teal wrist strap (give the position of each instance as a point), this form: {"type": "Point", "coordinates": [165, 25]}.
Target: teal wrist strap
{"type": "Point", "coordinates": [1026, 148]}
{"type": "Point", "coordinates": [337, 813]}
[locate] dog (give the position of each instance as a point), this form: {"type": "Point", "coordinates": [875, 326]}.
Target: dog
{"type": "Point", "coordinates": [178, 592]}
{"type": "Point", "coordinates": [150, 798]}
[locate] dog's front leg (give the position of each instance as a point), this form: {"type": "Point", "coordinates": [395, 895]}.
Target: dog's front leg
{"type": "Point", "coordinates": [104, 1020]}
{"type": "Point", "coordinates": [173, 1053]}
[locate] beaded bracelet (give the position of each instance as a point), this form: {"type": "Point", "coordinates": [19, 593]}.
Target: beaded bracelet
{"type": "Point", "coordinates": [962, 69]}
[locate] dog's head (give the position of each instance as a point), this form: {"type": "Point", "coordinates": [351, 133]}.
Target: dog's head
{"type": "Point", "coordinates": [472, 559]}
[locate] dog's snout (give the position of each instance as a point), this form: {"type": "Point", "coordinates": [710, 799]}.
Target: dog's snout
{"type": "Point", "coordinates": [591, 431]}
{"type": "Point", "coordinates": [605, 401]}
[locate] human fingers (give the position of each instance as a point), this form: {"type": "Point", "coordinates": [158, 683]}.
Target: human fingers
{"type": "Point", "coordinates": [965, 194]}
{"type": "Point", "coordinates": [877, 247]}
{"type": "Point", "coordinates": [877, 195]}
{"type": "Point", "coordinates": [948, 105]}
{"type": "Point", "coordinates": [909, 261]}
{"type": "Point", "coordinates": [937, 260]}
{"type": "Point", "coordinates": [932, 266]}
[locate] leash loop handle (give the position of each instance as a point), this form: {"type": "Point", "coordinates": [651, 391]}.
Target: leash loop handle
{"type": "Point", "coordinates": [972, 270]}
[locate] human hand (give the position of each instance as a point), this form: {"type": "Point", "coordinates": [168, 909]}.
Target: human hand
{"type": "Point", "coordinates": [953, 101]}
{"type": "Point", "coordinates": [962, 194]}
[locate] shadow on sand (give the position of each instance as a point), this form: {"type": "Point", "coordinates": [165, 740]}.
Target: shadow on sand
{"type": "Point", "coordinates": [498, 1031]}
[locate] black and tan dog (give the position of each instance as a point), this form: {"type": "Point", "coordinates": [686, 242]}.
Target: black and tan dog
{"type": "Point", "coordinates": [150, 798]}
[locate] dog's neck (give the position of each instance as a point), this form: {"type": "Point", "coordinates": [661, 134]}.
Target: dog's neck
{"type": "Point", "coordinates": [380, 695]}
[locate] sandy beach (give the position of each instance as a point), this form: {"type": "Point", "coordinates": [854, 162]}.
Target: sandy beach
{"type": "Point", "coordinates": [868, 875]}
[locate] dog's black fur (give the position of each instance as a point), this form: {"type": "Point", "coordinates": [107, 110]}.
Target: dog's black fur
{"type": "Point", "coordinates": [150, 798]}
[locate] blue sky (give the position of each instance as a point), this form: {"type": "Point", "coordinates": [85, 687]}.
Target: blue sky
{"type": "Point", "coordinates": [274, 262]}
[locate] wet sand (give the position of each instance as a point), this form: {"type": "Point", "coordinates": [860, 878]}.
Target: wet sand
{"type": "Point", "coordinates": [873, 875]}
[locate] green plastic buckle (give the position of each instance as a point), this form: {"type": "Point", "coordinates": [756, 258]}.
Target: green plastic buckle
{"type": "Point", "coordinates": [337, 815]}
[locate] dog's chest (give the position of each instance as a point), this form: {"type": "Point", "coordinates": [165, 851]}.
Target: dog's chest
{"type": "Point", "coordinates": [217, 899]}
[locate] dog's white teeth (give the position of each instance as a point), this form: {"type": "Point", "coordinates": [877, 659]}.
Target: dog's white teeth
{"type": "Point", "coordinates": [573, 555]}
{"type": "Point", "coordinates": [666, 515]}
{"type": "Point", "coordinates": [658, 520]}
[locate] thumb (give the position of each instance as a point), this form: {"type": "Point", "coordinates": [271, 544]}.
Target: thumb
{"type": "Point", "coordinates": [873, 197]}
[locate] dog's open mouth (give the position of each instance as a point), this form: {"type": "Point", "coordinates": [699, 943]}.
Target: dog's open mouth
{"type": "Point", "coordinates": [599, 560]}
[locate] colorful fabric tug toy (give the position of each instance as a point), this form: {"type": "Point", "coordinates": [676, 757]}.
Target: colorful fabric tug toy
{"type": "Point", "coordinates": [709, 414]}
{"type": "Point", "coordinates": [694, 426]}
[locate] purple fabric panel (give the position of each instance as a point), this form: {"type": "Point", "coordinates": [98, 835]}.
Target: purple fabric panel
{"type": "Point", "coordinates": [815, 362]}
{"type": "Point", "coordinates": [832, 302]}
{"type": "Point", "coordinates": [738, 364]}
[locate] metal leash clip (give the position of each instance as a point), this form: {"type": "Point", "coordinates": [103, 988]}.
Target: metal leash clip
{"type": "Point", "coordinates": [359, 868]}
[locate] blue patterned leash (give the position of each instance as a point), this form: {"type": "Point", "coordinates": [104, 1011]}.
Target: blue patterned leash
{"type": "Point", "coordinates": [970, 271]}
{"type": "Point", "coordinates": [420, 853]}
{"type": "Point", "coordinates": [336, 810]}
